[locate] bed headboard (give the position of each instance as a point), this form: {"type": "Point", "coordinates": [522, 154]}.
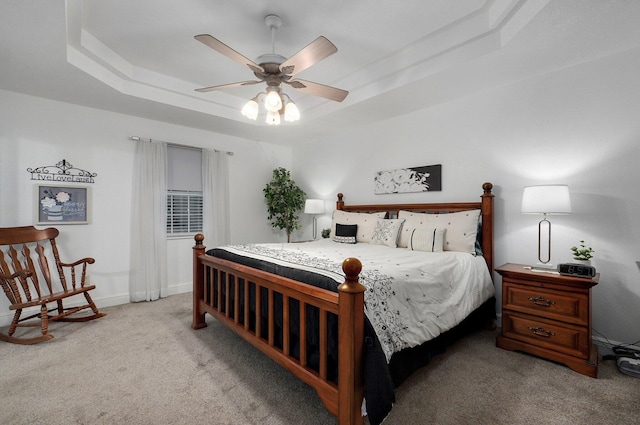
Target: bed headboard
{"type": "Point", "coordinates": [485, 205]}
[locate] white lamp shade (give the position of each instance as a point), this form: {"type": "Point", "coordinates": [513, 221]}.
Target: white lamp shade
{"type": "Point", "coordinates": [273, 118]}
{"type": "Point", "coordinates": [273, 102]}
{"type": "Point", "coordinates": [291, 112]}
{"type": "Point", "coordinates": [546, 199]}
{"type": "Point", "coordinates": [250, 110]}
{"type": "Point", "coordinates": [314, 206]}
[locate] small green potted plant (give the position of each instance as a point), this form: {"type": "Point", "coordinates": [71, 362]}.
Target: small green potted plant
{"type": "Point", "coordinates": [582, 253]}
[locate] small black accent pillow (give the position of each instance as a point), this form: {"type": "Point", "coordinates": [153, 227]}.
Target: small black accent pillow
{"type": "Point", "coordinates": [346, 233]}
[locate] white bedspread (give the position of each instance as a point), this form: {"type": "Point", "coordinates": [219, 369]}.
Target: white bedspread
{"type": "Point", "coordinates": [412, 296]}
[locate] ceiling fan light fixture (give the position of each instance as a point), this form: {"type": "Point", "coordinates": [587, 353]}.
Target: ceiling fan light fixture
{"type": "Point", "coordinates": [250, 109]}
{"type": "Point", "coordinates": [273, 118]}
{"type": "Point", "coordinates": [274, 69]}
{"type": "Point", "coordinates": [272, 101]}
{"type": "Point", "coordinates": [291, 112]}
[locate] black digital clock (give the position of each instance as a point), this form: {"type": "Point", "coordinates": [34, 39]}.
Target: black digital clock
{"type": "Point", "coordinates": [576, 269]}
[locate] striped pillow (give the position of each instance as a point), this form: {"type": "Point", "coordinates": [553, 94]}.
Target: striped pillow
{"type": "Point", "coordinates": [427, 239]}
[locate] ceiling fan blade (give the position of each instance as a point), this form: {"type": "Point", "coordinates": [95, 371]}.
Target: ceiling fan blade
{"type": "Point", "coordinates": [227, 86]}
{"type": "Point", "coordinates": [317, 89]}
{"type": "Point", "coordinates": [220, 47]}
{"type": "Point", "coordinates": [313, 52]}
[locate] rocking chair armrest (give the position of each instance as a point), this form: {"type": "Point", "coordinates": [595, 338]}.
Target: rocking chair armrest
{"type": "Point", "coordinates": [11, 288]}
{"type": "Point", "coordinates": [20, 273]}
{"type": "Point", "coordinates": [87, 260]}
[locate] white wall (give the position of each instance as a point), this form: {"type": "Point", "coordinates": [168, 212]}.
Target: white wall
{"type": "Point", "coordinates": [36, 132]}
{"type": "Point", "coordinates": [577, 126]}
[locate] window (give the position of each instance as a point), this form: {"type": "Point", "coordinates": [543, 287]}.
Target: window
{"type": "Point", "coordinates": [184, 190]}
{"type": "Point", "coordinates": [184, 212]}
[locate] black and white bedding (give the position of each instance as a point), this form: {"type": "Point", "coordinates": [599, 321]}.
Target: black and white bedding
{"type": "Point", "coordinates": [411, 297]}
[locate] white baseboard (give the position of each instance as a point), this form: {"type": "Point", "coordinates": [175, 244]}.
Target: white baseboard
{"type": "Point", "coordinates": [608, 343]}
{"type": "Point", "coordinates": [7, 317]}
{"type": "Point", "coordinates": [181, 288]}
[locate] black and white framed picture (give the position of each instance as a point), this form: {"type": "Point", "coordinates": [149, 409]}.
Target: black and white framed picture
{"type": "Point", "coordinates": [62, 204]}
{"type": "Point", "coordinates": [427, 178]}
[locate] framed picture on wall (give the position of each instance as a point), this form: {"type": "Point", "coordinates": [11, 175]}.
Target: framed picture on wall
{"type": "Point", "coordinates": [62, 204]}
{"type": "Point", "coordinates": [427, 178]}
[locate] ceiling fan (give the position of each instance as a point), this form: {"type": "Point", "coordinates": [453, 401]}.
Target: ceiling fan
{"type": "Point", "coordinates": [275, 70]}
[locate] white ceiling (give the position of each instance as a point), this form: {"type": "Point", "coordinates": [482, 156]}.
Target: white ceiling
{"type": "Point", "coordinates": [140, 58]}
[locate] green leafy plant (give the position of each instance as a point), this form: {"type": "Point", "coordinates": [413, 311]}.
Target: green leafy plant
{"type": "Point", "coordinates": [582, 252]}
{"type": "Point", "coordinates": [284, 200]}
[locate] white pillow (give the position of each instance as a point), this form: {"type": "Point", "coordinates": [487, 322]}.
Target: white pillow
{"type": "Point", "coordinates": [461, 228]}
{"type": "Point", "coordinates": [424, 239]}
{"type": "Point", "coordinates": [386, 232]}
{"type": "Point", "coordinates": [366, 223]}
{"type": "Point", "coordinates": [412, 221]}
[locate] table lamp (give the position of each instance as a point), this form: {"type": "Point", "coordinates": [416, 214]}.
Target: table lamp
{"type": "Point", "coordinates": [314, 206]}
{"type": "Point", "coordinates": [546, 200]}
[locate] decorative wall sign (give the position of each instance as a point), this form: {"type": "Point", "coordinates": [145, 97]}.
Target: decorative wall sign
{"type": "Point", "coordinates": [404, 180]}
{"type": "Point", "coordinates": [63, 171]}
{"type": "Point", "coordinates": [62, 205]}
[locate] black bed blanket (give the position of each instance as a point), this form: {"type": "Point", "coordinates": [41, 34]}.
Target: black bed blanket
{"type": "Point", "coordinates": [379, 385]}
{"type": "Point", "coordinates": [380, 377]}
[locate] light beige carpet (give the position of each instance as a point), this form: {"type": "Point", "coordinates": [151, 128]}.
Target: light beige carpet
{"type": "Point", "coordinates": [143, 364]}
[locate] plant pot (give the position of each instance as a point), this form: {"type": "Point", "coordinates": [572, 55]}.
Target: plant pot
{"type": "Point", "coordinates": [583, 262]}
{"type": "Point", "coordinates": [54, 213]}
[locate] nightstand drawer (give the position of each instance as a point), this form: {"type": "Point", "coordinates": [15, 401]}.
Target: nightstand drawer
{"type": "Point", "coordinates": [569, 339]}
{"type": "Point", "coordinates": [565, 306]}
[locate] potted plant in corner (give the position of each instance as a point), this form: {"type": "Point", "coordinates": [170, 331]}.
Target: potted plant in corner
{"type": "Point", "coordinates": [582, 253]}
{"type": "Point", "coordinates": [284, 200]}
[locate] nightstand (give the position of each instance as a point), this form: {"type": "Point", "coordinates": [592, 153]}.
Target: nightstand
{"type": "Point", "coordinates": [548, 315]}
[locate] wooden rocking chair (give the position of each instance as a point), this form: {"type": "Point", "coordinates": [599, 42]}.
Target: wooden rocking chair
{"type": "Point", "coordinates": [27, 281]}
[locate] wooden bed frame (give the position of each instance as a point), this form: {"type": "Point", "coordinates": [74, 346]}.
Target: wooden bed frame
{"type": "Point", "coordinates": [213, 275]}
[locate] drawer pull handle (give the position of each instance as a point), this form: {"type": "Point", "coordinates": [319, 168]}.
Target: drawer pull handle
{"type": "Point", "coordinates": [541, 301]}
{"type": "Point", "coordinates": [540, 331]}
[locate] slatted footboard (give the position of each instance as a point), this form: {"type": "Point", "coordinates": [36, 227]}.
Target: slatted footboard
{"type": "Point", "coordinates": [244, 299]}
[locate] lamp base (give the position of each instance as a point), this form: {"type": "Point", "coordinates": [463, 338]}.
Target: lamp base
{"type": "Point", "coordinates": [543, 267]}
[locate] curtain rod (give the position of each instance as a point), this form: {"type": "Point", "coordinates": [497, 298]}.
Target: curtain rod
{"type": "Point", "coordinates": [141, 139]}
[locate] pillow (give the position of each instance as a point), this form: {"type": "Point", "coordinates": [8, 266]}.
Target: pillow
{"type": "Point", "coordinates": [386, 232]}
{"type": "Point", "coordinates": [345, 233]}
{"type": "Point", "coordinates": [366, 223]}
{"type": "Point", "coordinates": [479, 251]}
{"type": "Point", "coordinates": [461, 228]}
{"type": "Point", "coordinates": [412, 221]}
{"type": "Point", "coordinates": [424, 239]}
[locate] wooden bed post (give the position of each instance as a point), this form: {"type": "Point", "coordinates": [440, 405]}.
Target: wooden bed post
{"type": "Point", "coordinates": [198, 283]}
{"type": "Point", "coordinates": [340, 202]}
{"type": "Point", "coordinates": [350, 345]}
{"type": "Point", "coordinates": [487, 225]}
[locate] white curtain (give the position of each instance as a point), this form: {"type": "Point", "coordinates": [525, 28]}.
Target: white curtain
{"type": "Point", "coordinates": [148, 274]}
{"type": "Point", "coordinates": [215, 192]}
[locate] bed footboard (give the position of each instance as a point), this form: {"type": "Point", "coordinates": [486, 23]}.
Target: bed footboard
{"type": "Point", "coordinates": [243, 299]}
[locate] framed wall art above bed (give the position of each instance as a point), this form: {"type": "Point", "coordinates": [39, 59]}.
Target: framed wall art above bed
{"type": "Point", "coordinates": [427, 178]}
